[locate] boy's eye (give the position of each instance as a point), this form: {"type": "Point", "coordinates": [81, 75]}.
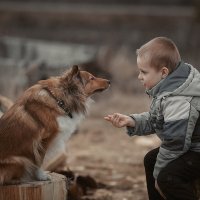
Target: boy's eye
{"type": "Point", "coordinates": [144, 72]}
{"type": "Point", "coordinates": [92, 78]}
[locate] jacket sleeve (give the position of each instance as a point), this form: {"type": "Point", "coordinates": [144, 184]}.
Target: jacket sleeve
{"type": "Point", "coordinates": [180, 119]}
{"type": "Point", "coordinates": [142, 125]}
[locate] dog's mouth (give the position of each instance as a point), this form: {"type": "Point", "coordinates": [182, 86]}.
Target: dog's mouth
{"type": "Point", "coordinates": [99, 90]}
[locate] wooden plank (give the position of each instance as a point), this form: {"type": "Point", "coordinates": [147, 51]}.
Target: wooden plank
{"type": "Point", "coordinates": [55, 189]}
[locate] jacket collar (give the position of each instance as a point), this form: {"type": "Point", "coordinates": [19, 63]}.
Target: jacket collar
{"type": "Point", "coordinates": [172, 81]}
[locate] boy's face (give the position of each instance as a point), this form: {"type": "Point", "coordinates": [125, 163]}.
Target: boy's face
{"type": "Point", "coordinates": [148, 75]}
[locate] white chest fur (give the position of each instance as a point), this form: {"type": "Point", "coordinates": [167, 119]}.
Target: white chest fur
{"type": "Point", "coordinates": [67, 126]}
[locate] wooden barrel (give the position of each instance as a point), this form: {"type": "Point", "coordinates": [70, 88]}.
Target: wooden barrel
{"type": "Point", "coordinates": [55, 189]}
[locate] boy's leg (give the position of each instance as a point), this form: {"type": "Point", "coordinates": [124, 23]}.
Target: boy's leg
{"type": "Point", "coordinates": [176, 179]}
{"type": "Point", "coordinates": [149, 162]}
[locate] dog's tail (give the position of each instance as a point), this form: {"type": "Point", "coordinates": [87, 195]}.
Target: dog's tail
{"type": "Point", "coordinates": [15, 169]}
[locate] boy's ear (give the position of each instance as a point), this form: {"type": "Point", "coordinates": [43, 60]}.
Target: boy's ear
{"type": "Point", "coordinates": [165, 72]}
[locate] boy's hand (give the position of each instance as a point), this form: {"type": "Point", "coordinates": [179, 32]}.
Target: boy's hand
{"type": "Point", "coordinates": [120, 120]}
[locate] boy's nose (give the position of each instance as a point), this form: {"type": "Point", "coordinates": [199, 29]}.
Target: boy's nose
{"type": "Point", "coordinates": [139, 76]}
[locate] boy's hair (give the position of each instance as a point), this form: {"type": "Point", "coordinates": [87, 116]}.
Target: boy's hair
{"type": "Point", "coordinates": [160, 52]}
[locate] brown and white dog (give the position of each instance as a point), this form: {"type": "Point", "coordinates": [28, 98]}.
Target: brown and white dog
{"type": "Point", "coordinates": [36, 118]}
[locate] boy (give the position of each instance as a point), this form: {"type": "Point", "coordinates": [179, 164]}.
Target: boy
{"type": "Point", "coordinates": [174, 116]}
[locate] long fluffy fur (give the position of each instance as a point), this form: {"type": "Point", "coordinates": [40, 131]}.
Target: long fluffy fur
{"type": "Point", "coordinates": [30, 125]}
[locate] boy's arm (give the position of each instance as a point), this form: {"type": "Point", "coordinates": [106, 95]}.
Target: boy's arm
{"type": "Point", "coordinates": [142, 125]}
{"type": "Point", "coordinates": [180, 119]}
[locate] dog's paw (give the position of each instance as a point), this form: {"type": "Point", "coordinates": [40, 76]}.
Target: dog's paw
{"type": "Point", "coordinates": [42, 176]}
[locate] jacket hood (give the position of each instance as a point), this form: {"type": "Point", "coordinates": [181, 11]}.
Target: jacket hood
{"type": "Point", "coordinates": [183, 81]}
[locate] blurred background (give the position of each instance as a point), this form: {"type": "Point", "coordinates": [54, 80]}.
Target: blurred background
{"type": "Point", "coordinates": [41, 38]}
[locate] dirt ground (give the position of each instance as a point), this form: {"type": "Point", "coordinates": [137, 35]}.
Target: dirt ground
{"type": "Point", "coordinates": [107, 153]}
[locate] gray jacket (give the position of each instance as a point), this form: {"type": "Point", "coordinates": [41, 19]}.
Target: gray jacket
{"type": "Point", "coordinates": [173, 115]}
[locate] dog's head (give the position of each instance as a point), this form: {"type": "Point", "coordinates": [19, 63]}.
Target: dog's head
{"type": "Point", "coordinates": [86, 82]}
{"type": "Point", "coordinates": [74, 87]}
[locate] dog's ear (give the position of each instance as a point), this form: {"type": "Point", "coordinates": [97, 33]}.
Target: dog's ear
{"type": "Point", "coordinates": [74, 71]}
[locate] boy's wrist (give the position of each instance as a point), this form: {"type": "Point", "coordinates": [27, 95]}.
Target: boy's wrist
{"type": "Point", "coordinates": [131, 122]}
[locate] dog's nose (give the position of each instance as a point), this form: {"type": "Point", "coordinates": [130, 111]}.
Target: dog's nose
{"type": "Point", "coordinates": [109, 82]}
